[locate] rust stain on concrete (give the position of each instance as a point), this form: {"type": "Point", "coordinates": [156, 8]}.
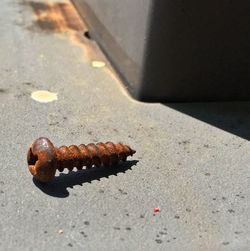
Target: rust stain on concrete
{"type": "Point", "coordinates": [63, 18]}
{"type": "Point", "coordinates": [56, 17]}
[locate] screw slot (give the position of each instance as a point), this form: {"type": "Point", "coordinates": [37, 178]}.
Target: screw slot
{"type": "Point", "coordinates": [32, 159]}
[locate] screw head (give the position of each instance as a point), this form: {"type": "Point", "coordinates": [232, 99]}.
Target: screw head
{"type": "Point", "coordinates": [42, 160]}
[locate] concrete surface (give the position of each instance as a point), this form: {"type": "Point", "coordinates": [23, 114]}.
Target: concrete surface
{"type": "Point", "coordinates": [192, 160]}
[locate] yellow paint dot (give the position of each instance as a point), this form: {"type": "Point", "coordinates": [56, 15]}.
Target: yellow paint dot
{"type": "Point", "coordinates": [44, 96]}
{"type": "Point", "coordinates": [98, 64]}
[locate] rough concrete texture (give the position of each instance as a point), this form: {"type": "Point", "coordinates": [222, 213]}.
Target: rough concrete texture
{"type": "Point", "coordinates": [192, 160]}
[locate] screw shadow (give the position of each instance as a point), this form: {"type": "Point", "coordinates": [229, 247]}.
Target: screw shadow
{"type": "Point", "coordinates": [59, 186]}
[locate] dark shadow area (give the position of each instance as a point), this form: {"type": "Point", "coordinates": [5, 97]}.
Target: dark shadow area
{"type": "Point", "coordinates": [58, 187]}
{"type": "Point", "coordinates": [191, 50]}
{"type": "Point", "coordinates": [233, 117]}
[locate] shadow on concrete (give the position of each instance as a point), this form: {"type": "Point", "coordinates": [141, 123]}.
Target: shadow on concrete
{"type": "Point", "coordinates": [233, 117]}
{"type": "Point", "coordinates": [58, 187]}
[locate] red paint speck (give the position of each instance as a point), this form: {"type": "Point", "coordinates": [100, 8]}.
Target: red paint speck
{"type": "Point", "coordinates": [157, 209]}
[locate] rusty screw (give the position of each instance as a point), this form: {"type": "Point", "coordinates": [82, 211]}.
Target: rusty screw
{"type": "Point", "coordinates": [44, 159]}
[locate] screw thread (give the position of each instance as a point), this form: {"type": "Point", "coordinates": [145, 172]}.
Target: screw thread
{"type": "Point", "coordinates": [100, 154]}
